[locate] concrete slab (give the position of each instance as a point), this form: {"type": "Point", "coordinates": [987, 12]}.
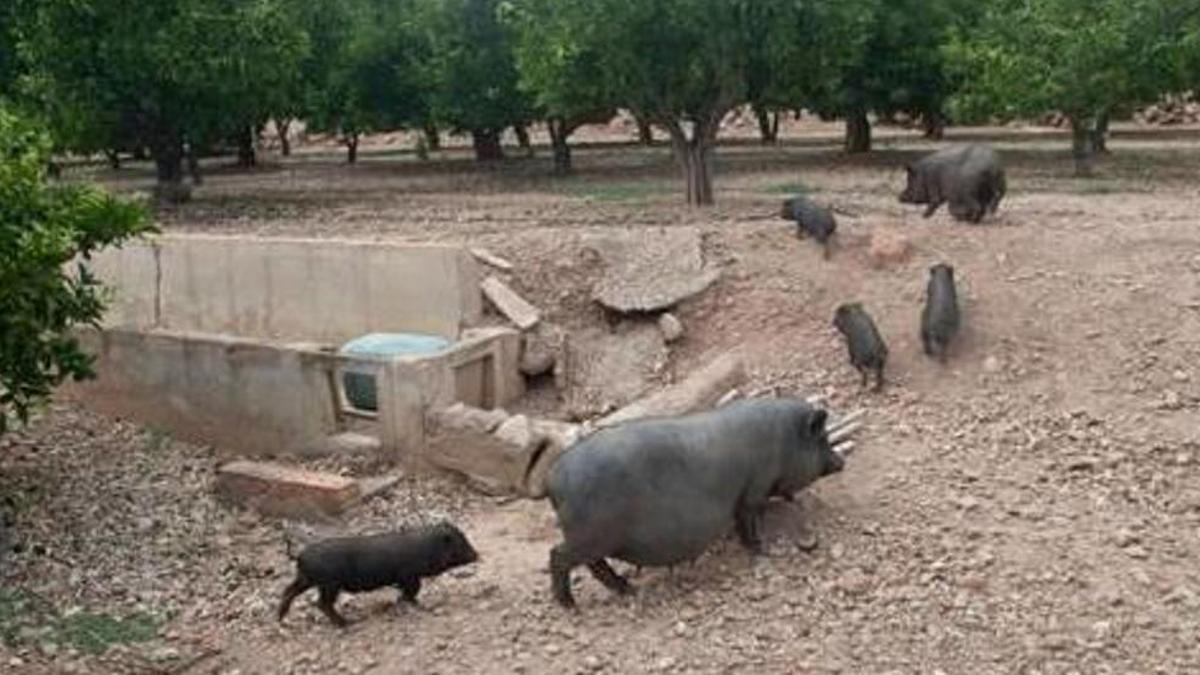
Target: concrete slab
{"type": "Point", "coordinates": [285, 492]}
{"type": "Point", "coordinates": [699, 390]}
{"type": "Point", "coordinates": [510, 304]}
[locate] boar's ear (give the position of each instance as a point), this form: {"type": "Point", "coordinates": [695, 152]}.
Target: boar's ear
{"type": "Point", "coordinates": [816, 423]}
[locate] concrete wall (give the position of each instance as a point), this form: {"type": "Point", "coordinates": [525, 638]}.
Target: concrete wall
{"type": "Point", "coordinates": [291, 289]}
{"type": "Point", "coordinates": [252, 398]}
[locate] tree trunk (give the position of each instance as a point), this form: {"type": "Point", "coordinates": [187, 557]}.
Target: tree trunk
{"type": "Point", "coordinates": [487, 145]}
{"type": "Point", "coordinates": [523, 139]}
{"type": "Point", "coordinates": [114, 159]}
{"type": "Point", "coordinates": [351, 148]}
{"type": "Point", "coordinates": [432, 138]}
{"type": "Point", "coordinates": [245, 152]}
{"type": "Point", "coordinates": [858, 132]}
{"type": "Point", "coordinates": [193, 163]}
{"type": "Point", "coordinates": [1081, 147]}
{"type": "Point", "coordinates": [558, 140]}
{"type": "Point", "coordinates": [934, 123]}
{"type": "Point", "coordinates": [645, 131]}
{"type": "Point", "coordinates": [695, 159]}
{"type": "Point", "coordinates": [168, 165]}
{"type": "Point", "coordinates": [768, 124]}
{"type": "Point", "coordinates": [285, 143]}
{"type": "Point", "coordinates": [1098, 136]}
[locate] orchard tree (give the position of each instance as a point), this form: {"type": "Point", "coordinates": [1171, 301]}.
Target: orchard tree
{"type": "Point", "coordinates": [159, 72]}
{"type": "Point", "coordinates": [43, 293]}
{"type": "Point", "coordinates": [1030, 57]}
{"type": "Point", "coordinates": [474, 73]}
{"type": "Point", "coordinates": [684, 64]}
{"type": "Point", "coordinates": [561, 73]}
{"type": "Point", "coordinates": [369, 68]}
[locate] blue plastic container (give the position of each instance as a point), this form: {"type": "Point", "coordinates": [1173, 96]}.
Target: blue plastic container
{"type": "Point", "coordinates": [360, 387]}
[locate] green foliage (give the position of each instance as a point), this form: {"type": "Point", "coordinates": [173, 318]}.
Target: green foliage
{"type": "Point", "coordinates": [43, 229]}
{"type": "Point", "coordinates": [473, 67]}
{"type": "Point", "coordinates": [24, 614]}
{"type": "Point", "coordinates": [115, 71]}
{"type": "Point", "coordinates": [560, 70]}
{"type": "Point", "coordinates": [1028, 57]}
{"type": "Point", "coordinates": [368, 70]}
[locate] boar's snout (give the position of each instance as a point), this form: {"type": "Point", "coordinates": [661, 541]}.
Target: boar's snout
{"type": "Point", "coordinates": [834, 462]}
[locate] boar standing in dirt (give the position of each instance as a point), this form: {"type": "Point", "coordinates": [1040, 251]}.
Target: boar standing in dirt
{"type": "Point", "coordinates": [969, 177]}
{"type": "Point", "coordinates": [811, 219]}
{"type": "Point", "coordinates": [660, 491]}
{"type": "Point", "coordinates": [940, 319]}
{"type": "Point", "coordinates": [868, 353]}
{"type": "Point", "coordinates": [357, 564]}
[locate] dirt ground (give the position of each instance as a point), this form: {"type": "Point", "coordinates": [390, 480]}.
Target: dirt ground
{"type": "Point", "coordinates": [1032, 506]}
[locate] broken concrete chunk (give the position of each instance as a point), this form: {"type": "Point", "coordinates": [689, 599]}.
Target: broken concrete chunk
{"type": "Point", "coordinates": [556, 437]}
{"type": "Point", "coordinates": [649, 270]}
{"type": "Point", "coordinates": [511, 305]}
{"type": "Point", "coordinates": [608, 370]}
{"type": "Point", "coordinates": [671, 327]}
{"type": "Point", "coordinates": [282, 491]}
{"type": "Point", "coordinates": [702, 389]}
{"type": "Point", "coordinates": [488, 258]}
{"type": "Point", "coordinates": [462, 417]}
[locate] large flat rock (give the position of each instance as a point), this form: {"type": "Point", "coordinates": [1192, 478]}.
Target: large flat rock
{"type": "Point", "coordinates": [647, 270]}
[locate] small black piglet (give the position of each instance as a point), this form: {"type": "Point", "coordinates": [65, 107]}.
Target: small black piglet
{"type": "Point", "coordinates": [868, 353]}
{"type": "Point", "coordinates": [365, 563]}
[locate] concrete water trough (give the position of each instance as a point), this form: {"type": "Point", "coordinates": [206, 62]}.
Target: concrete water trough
{"type": "Point", "coordinates": [234, 342]}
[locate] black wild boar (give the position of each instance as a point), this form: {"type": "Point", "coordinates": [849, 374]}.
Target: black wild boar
{"type": "Point", "coordinates": [867, 350]}
{"type": "Point", "coordinates": [969, 177]}
{"type": "Point", "coordinates": [811, 219]}
{"type": "Point", "coordinates": [357, 564]}
{"type": "Point", "coordinates": [939, 320]}
{"type": "Point", "coordinates": [658, 492]}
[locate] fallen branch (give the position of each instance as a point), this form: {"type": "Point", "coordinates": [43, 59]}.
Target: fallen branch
{"type": "Point", "coordinates": [847, 420]}
{"type": "Point", "coordinates": [844, 449]}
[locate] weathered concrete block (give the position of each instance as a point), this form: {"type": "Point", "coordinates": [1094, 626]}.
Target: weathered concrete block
{"type": "Point", "coordinates": [553, 439]}
{"type": "Point", "coordinates": [511, 305]}
{"type": "Point", "coordinates": [288, 492]}
{"type": "Point", "coordinates": [701, 389]}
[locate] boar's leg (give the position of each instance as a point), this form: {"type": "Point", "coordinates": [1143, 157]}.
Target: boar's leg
{"type": "Point", "coordinates": [409, 588]}
{"type": "Point", "coordinates": [932, 208]}
{"type": "Point", "coordinates": [606, 575]}
{"type": "Point", "coordinates": [865, 374]}
{"type": "Point", "coordinates": [329, 595]}
{"type": "Point", "coordinates": [561, 565]}
{"type": "Point", "coordinates": [294, 589]}
{"type": "Point", "coordinates": [747, 518]}
{"type": "Point", "coordinates": [878, 378]}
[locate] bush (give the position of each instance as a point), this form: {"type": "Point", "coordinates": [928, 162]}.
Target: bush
{"type": "Point", "coordinates": [47, 234]}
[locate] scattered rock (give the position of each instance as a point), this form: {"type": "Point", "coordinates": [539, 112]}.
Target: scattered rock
{"type": "Point", "coordinates": [671, 327]}
{"type": "Point", "coordinates": [992, 365]}
{"type": "Point", "coordinates": [278, 490]}
{"type": "Point", "coordinates": [888, 248]}
{"type": "Point", "coordinates": [488, 258]}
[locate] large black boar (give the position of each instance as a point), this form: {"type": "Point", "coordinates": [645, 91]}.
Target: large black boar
{"type": "Point", "coordinates": [811, 219]}
{"type": "Point", "coordinates": [357, 564]}
{"type": "Point", "coordinates": [868, 352]}
{"type": "Point", "coordinates": [939, 319]}
{"type": "Point", "coordinates": [658, 492]}
{"type": "Point", "coordinates": [969, 177]}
